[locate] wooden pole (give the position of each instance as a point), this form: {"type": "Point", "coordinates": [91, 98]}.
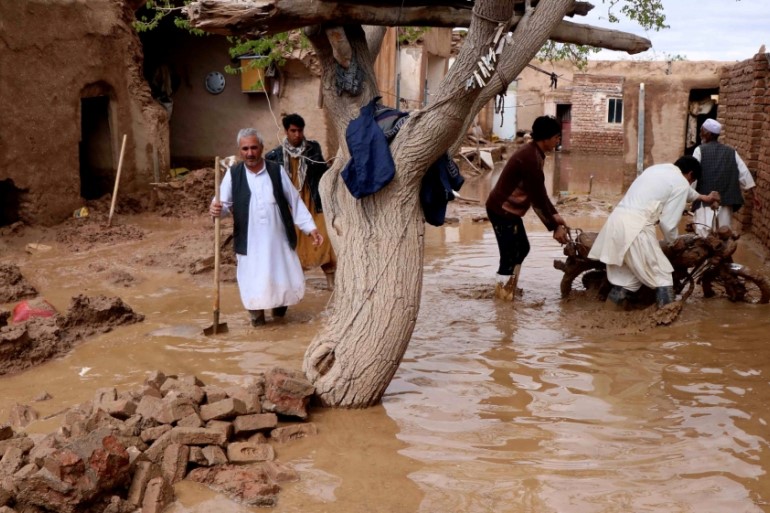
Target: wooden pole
{"type": "Point", "coordinates": [216, 246]}
{"type": "Point", "coordinates": [117, 180]}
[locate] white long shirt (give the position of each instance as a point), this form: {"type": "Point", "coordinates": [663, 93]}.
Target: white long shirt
{"type": "Point", "coordinates": [658, 195]}
{"type": "Point", "coordinates": [269, 274]}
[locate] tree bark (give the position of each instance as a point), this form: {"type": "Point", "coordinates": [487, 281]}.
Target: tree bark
{"type": "Point", "coordinates": [262, 17]}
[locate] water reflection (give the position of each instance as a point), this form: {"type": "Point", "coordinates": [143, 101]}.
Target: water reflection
{"type": "Point", "coordinates": [565, 174]}
{"type": "Point", "coordinates": [512, 410]}
{"type": "Point", "coordinates": [497, 407]}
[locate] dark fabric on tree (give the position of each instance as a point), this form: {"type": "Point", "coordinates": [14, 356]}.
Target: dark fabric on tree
{"type": "Point", "coordinates": [442, 177]}
{"type": "Point", "coordinates": [371, 165]}
{"type": "Point", "coordinates": [719, 172]}
{"type": "Point", "coordinates": [242, 197]}
{"type": "Point", "coordinates": [436, 189]}
{"type": "Point", "coordinates": [512, 241]}
{"type": "Point", "coordinates": [316, 167]}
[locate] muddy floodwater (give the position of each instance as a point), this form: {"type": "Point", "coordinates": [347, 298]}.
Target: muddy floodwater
{"type": "Point", "coordinates": [522, 407]}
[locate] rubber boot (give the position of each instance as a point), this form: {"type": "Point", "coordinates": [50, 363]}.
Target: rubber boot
{"type": "Point", "coordinates": [664, 295]}
{"type": "Point", "coordinates": [257, 317]}
{"type": "Point", "coordinates": [280, 311]}
{"type": "Point", "coordinates": [618, 296]}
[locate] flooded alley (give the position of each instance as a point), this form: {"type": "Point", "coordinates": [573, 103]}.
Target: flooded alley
{"type": "Point", "coordinates": [525, 407]}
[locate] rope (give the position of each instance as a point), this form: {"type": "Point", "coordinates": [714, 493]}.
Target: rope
{"type": "Point", "coordinates": [486, 18]}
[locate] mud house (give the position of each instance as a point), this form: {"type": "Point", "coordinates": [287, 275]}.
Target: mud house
{"type": "Point", "coordinates": [86, 78]}
{"type": "Point", "coordinates": [208, 105]}
{"type": "Point", "coordinates": [598, 105]}
{"type": "Point", "coordinates": [411, 65]}
{"type": "Point", "coordinates": [70, 86]}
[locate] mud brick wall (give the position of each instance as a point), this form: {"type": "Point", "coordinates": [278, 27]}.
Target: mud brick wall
{"type": "Point", "coordinates": [744, 111]}
{"type": "Point", "coordinates": [590, 130]}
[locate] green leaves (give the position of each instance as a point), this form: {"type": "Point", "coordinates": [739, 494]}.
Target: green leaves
{"type": "Point", "coordinates": [273, 49]}
{"type": "Point", "coordinates": [648, 13]}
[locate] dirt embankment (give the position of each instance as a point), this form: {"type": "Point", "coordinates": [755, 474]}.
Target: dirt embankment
{"type": "Point", "coordinates": [38, 339]}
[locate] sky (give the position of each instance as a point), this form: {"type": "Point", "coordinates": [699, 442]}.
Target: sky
{"type": "Point", "coordinates": [720, 30]}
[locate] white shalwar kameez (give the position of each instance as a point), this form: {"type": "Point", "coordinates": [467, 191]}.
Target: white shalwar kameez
{"type": "Point", "coordinates": [269, 274]}
{"type": "Point", "coordinates": [704, 215]}
{"type": "Point", "coordinates": [628, 242]}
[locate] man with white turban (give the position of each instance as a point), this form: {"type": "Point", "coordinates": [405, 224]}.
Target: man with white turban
{"type": "Point", "coordinates": [723, 171]}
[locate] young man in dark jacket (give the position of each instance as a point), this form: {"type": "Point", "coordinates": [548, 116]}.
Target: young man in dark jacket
{"type": "Point", "coordinates": [304, 163]}
{"type": "Point", "coordinates": [522, 185]}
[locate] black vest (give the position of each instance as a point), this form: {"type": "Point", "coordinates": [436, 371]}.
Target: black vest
{"type": "Point", "coordinates": [720, 173]}
{"type": "Point", "coordinates": [242, 197]}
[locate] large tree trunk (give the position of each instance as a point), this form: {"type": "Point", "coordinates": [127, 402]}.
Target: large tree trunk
{"type": "Point", "coordinates": [379, 252]}
{"type": "Point", "coordinates": [379, 239]}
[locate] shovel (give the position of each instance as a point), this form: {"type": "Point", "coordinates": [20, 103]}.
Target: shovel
{"type": "Point", "coordinates": [217, 327]}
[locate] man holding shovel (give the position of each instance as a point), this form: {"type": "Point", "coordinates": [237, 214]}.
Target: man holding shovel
{"type": "Point", "coordinates": [265, 207]}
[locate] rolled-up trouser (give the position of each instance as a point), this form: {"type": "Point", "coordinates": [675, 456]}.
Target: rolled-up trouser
{"type": "Point", "coordinates": [643, 264]}
{"type": "Point", "coordinates": [512, 241]}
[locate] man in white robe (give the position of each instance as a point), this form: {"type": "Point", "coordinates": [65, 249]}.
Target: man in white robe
{"type": "Point", "coordinates": [628, 243]}
{"type": "Point", "coordinates": [269, 271]}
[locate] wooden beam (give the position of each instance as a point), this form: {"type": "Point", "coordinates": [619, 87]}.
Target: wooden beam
{"type": "Point", "coordinates": [256, 18]}
{"type": "Point", "coordinates": [569, 32]}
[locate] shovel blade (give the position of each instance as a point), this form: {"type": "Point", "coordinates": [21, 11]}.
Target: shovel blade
{"type": "Point", "coordinates": [215, 329]}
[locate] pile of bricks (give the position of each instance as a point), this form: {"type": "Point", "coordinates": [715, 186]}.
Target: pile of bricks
{"type": "Point", "coordinates": [122, 452]}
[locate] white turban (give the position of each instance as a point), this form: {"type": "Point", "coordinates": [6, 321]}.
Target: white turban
{"type": "Point", "coordinates": [713, 126]}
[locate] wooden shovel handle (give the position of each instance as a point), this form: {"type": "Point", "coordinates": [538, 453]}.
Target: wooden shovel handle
{"type": "Point", "coordinates": [117, 180]}
{"type": "Point", "coordinates": [216, 242]}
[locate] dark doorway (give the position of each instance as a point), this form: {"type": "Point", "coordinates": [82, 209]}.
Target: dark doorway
{"type": "Point", "coordinates": [97, 175]}
{"type": "Point", "coordinates": [10, 199]}
{"type": "Point", "coordinates": [564, 115]}
{"type": "Point", "coordinates": [703, 104]}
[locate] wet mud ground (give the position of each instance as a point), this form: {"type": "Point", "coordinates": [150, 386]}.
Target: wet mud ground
{"type": "Point", "coordinates": [544, 405]}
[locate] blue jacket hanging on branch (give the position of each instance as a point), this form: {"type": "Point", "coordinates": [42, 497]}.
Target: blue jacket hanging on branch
{"type": "Point", "coordinates": [371, 165]}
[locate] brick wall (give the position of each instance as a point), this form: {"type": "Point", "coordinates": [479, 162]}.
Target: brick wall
{"type": "Point", "coordinates": [744, 111]}
{"type": "Point", "coordinates": [590, 130]}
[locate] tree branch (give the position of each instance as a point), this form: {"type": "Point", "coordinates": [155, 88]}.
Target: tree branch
{"type": "Point", "coordinates": [578, 33]}
{"type": "Point", "coordinates": [262, 17]}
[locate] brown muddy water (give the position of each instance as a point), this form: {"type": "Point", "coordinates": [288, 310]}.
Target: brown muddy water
{"type": "Point", "coordinates": [497, 407]}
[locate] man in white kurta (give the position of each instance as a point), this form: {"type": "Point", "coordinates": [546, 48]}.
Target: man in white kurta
{"type": "Point", "coordinates": [269, 274]}
{"type": "Point", "coordinates": [628, 242]}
